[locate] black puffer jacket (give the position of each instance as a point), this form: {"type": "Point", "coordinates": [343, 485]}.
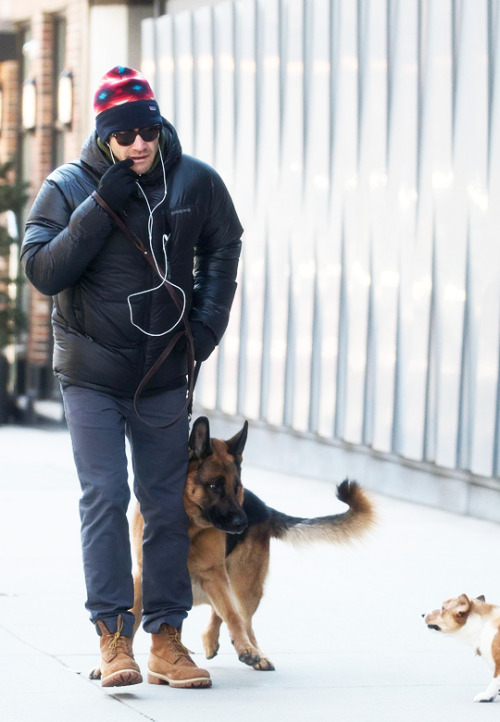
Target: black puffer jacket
{"type": "Point", "coordinates": [73, 251]}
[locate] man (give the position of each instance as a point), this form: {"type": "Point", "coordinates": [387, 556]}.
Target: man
{"type": "Point", "coordinates": [113, 316]}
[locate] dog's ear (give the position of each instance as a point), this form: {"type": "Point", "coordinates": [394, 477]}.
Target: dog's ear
{"type": "Point", "coordinates": [481, 598]}
{"type": "Point", "coordinates": [236, 444]}
{"type": "Point", "coordinates": [199, 439]}
{"type": "Point", "coordinates": [463, 605]}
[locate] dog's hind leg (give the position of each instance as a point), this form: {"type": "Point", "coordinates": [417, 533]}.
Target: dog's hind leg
{"type": "Point", "coordinates": [136, 533]}
{"type": "Point", "coordinates": [137, 608]}
{"type": "Point", "coordinates": [210, 636]}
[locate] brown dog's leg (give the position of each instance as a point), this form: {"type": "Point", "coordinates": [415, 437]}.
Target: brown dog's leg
{"type": "Point", "coordinates": [136, 534]}
{"type": "Point", "coordinates": [247, 567]}
{"type": "Point", "coordinates": [210, 636]}
{"type": "Point", "coordinates": [216, 585]}
{"type": "Point", "coordinates": [137, 608]}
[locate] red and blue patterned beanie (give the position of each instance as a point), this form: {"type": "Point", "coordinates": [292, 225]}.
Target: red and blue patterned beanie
{"type": "Point", "coordinates": [124, 100]}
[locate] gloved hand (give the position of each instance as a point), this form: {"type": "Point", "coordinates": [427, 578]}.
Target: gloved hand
{"type": "Point", "coordinates": [204, 340]}
{"type": "Point", "coordinates": [117, 184]}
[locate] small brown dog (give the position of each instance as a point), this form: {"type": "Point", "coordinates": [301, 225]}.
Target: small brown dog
{"type": "Point", "coordinates": [476, 623]}
{"type": "Point", "coordinates": [230, 531]}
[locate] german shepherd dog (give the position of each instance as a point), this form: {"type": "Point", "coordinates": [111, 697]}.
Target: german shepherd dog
{"type": "Point", "coordinates": [230, 530]}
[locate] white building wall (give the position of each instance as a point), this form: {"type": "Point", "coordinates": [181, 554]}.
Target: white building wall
{"type": "Point", "coordinates": [360, 143]}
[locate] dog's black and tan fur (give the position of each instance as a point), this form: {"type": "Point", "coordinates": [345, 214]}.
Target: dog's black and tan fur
{"type": "Point", "coordinates": [230, 531]}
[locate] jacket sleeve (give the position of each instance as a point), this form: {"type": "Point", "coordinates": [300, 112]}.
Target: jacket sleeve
{"type": "Point", "coordinates": [216, 261]}
{"type": "Point", "coordinates": [65, 230]}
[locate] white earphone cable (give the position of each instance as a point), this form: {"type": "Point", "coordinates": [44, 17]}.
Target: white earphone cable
{"type": "Point", "coordinates": [162, 276]}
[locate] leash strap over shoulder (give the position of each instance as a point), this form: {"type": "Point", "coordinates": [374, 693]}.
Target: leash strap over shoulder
{"type": "Point", "coordinates": [193, 367]}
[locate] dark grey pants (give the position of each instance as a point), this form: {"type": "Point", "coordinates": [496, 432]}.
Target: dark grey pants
{"type": "Point", "coordinates": [98, 424]}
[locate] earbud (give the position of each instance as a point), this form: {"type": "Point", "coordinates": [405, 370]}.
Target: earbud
{"type": "Point", "coordinates": [112, 156]}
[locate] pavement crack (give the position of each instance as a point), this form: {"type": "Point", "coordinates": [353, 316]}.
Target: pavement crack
{"type": "Point", "coordinates": [121, 698]}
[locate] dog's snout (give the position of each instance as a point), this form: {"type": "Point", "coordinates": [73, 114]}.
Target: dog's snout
{"type": "Point", "coordinates": [232, 521]}
{"type": "Point", "coordinates": [238, 523]}
{"type": "Point", "coordinates": [434, 626]}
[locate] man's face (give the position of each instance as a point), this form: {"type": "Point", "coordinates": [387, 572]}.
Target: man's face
{"type": "Point", "coordinates": [141, 152]}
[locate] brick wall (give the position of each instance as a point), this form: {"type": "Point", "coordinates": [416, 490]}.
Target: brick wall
{"type": "Point", "coordinates": [39, 337]}
{"type": "Point", "coordinates": [38, 350]}
{"type": "Point", "coordinates": [8, 144]}
{"type": "Point", "coordinates": [10, 99]}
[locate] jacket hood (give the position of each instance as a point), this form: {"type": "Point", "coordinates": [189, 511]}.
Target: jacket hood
{"type": "Point", "coordinates": [99, 162]}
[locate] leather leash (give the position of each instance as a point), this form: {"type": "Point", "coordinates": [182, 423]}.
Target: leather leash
{"type": "Point", "coordinates": [193, 367]}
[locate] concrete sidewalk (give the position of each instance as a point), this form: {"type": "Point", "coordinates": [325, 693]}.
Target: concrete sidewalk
{"type": "Point", "coordinates": [342, 625]}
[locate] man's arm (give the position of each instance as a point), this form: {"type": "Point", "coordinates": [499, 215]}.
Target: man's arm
{"type": "Point", "coordinates": [216, 264]}
{"type": "Point", "coordinates": [63, 234]}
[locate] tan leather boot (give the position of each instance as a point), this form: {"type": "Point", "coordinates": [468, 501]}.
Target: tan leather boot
{"type": "Point", "coordinates": [170, 663]}
{"type": "Point", "coordinates": [118, 666]}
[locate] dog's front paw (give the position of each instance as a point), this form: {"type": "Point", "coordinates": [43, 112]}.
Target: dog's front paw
{"type": "Point", "coordinates": [264, 665]}
{"type": "Point", "coordinates": [211, 652]}
{"type": "Point", "coordinates": [484, 696]}
{"type": "Point", "coordinates": [210, 646]}
{"type": "Point", "coordinates": [95, 673]}
{"type": "Point", "coordinates": [249, 657]}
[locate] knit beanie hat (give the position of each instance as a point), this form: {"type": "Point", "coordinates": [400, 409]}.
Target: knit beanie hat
{"type": "Point", "coordinates": [124, 100]}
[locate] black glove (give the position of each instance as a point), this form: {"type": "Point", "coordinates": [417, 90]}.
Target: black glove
{"type": "Point", "coordinates": [204, 340]}
{"type": "Point", "coordinates": [118, 184]}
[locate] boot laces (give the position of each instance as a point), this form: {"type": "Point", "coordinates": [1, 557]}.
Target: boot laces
{"type": "Point", "coordinates": [117, 639]}
{"type": "Point", "coordinates": [175, 644]}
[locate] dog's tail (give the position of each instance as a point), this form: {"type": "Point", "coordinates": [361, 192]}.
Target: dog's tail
{"type": "Point", "coordinates": [344, 527]}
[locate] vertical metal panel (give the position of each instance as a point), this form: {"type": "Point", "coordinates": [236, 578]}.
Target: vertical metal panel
{"type": "Point", "coordinates": [334, 29]}
{"type": "Point", "coordinates": [493, 48]}
{"type": "Point", "coordinates": [396, 429]}
{"type": "Point", "coordinates": [496, 446]}
{"type": "Point", "coordinates": [204, 84]}
{"type": "Point", "coordinates": [343, 337]}
{"type": "Point", "coordinates": [225, 89]}
{"type": "Point", "coordinates": [494, 189]}
{"type": "Point", "coordinates": [467, 375]}
{"type": "Point", "coordinates": [315, 374]}
{"type": "Point", "coordinates": [391, 40]}
{"type": "Point", "coordinates": [259, 82]}
{"type": "Point", "coordinates": [432, 368]}
{"type": "Point", "coordinates": [369, 386]}
{"type": "Point", "coordinates": [289, 378]}
{"type": "Point", "coordinates": [184, 78]}
{"type": "Point", "coordinates": [308, 87]}
{"type": "Point", "coordinates": [266, 338]}
{"type": "Point", "coordinates": [166, 64]}
{"type": "Point", "coordinates": [404, 260]}
{"type": "Point", "coordinates": [243, 347]}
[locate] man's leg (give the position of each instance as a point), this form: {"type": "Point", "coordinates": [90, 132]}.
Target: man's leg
{"type": "Point", "coordinates": [96, 424]}
{"type": "Point", "coordinates": [160, 458]}
{"type": "Point", "coordinates": [97, 429]}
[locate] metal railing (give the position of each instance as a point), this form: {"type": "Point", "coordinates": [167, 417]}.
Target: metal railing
{"type": "Point", "coordinates": [360, 142]}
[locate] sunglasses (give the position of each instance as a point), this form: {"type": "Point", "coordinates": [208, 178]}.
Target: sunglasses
{"type": "Point", "coordinates": [127, 137]}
